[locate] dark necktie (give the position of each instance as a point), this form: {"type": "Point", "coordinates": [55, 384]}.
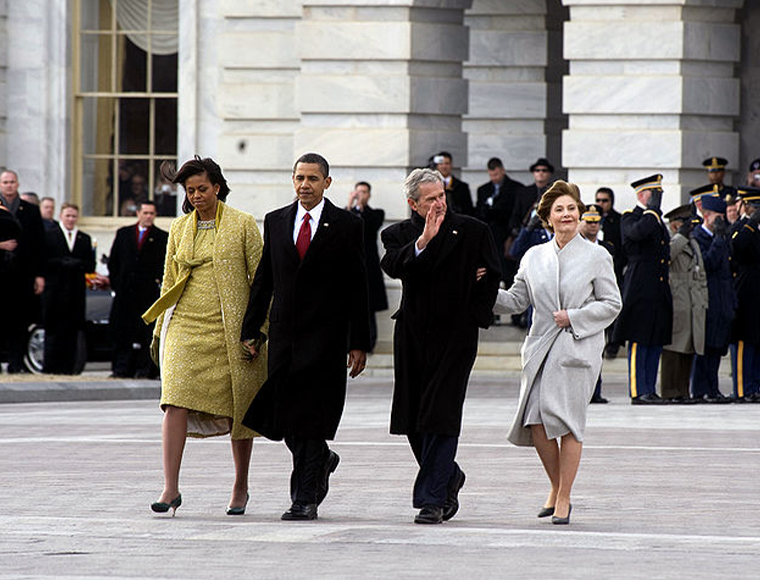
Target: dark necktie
{"type": "Point", "coordinates": [304, 237]}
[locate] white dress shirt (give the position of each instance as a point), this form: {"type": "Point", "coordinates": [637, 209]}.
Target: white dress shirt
{"type": "Point", "coordinates": [315, 213]}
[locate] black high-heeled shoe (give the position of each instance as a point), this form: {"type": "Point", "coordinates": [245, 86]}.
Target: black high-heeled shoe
{"type": "Point", "coordinates": [546, 512]}
{"type": "Point", "coordinates": [163, 507]}
{"type": "Point", "coordinates": [238, 511]}
{"type": "Point", "coordinates": [563, 521]}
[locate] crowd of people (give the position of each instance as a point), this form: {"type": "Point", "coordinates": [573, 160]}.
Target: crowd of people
{"type": "Point", "coordinates": [256, 335]}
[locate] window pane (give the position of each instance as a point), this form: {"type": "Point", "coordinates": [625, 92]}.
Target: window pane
{"type": "Point", "coordinates": [96, 15]}
{"type": "Point", "coordinates": [134, 117]}
{"type": "Point", "coordinates": [97, 189]}
{"type": "Point", "coordinates": [165, 73]}
{"type": "Point", "coordinates": [98, 124]}
{"type": "Point", "coordinates": [166, 127]}
{"type": "Point", "coordinates": [133, 62]}
{"type": "Point", "coordinates": [165, 193]}
{"type": "Point", "coordinates": [95, 64]}
{"type": "Point", "coordinates": [133, 185]}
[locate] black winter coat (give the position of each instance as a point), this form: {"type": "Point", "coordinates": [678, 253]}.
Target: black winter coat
{"type": "Point", "coordinates": [319, 311]}
{"type": "Point", "coordinates": [720, 287]}
{"type": "Point", "coordinates": [442, 306]}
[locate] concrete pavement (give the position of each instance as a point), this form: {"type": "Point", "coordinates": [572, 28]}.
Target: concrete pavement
{"type": "Point", "coordinates": [667, 492]}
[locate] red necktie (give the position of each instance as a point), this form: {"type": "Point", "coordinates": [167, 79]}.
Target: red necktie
{"type": "Point", "coordinates": [304, 236]}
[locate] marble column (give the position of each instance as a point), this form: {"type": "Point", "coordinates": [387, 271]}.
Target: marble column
{"type": "Point", "coordinates": [36, 94]}
{"type": "Point", "coordinates": [238, 69]}
{"type": "Point", "coordinates": [381, 89]}
{"type": "Point", "coordinates": [651, 88]}
{"type": "Point", "coordinates": [506, 71]}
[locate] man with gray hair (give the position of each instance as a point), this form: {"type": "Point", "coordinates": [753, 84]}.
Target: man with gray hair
{"type": "Point", "coordinates": [450, 272]}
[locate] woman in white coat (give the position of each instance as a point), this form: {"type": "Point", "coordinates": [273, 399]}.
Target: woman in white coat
{"type": "Point", "coordinates": [571, 285]}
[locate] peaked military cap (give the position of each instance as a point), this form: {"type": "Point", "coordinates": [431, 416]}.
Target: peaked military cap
{"type": "Point", "coordinates": [592, 214]}
{"type": "Point", "coordinates": [710, 190]}
{"type": "Point", "coordinates": [713, 203]}
{"type": "Point", "coordinates": [682, 212]}
{"type": "Point", "coordinates": [715, 163]}
{"type": "Point", "coordinates": [651, 182]}
{"type": "Point", "coordinates": [748, 194]}
{"type": "Point", "coordinates": [755, 165]}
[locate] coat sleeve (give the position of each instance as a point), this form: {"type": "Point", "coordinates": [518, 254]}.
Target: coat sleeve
{"type": "Point", "coordinates": [261, 291]}
{"type": "Point", "coordinates": [170, 273]}
{"type": "Point", "coordinates": [714, 252]}
{"type": "Point", "coordinates": [487, 287]}
{"type": "Point", "coordinates": [400, 259]}
{"type": "Point", "coordinates": [114, 262]}
{"type": "Point", "coordinates": [640, 229]}
{"type": "Point", "coordinates": [596, 315]}
{"type": "Point", "coordinates": [517, 298]}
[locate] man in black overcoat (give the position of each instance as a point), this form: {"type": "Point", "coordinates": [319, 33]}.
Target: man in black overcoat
{"type": "Point", "coordinates": [372, 218]}
{"type": "Point", "coordinates": [24, 279]}
{"type": "Point", "coordinates": [69, 257]}
{"type": "Point", "coordinates": [646, 320]}
{"type": "Point", "coordinates": [135, 268]}
{"type": "Point", "coordinates": [496, 199]}
{"type": "Point", "coordinates": [437, 254]}
{"type": "Point", "coordinates": [542, 171]}
{"type": "Point", "coordinates": [312, 272]}
{"type": "Point", "coordinates": [745, 250]}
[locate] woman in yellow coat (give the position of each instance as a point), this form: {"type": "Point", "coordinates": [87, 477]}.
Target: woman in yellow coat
{"type": "Point", "coordinates": [207, 382]}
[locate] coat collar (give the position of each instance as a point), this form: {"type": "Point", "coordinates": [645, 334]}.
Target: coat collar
{"type": "Point", "coordinates": [330, 215]}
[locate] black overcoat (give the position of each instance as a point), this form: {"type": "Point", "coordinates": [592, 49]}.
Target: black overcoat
{"type": "Point", "coordinates": [647, 314]}
{"type": "Point", "coordinates": [745, 246]}
{"type": "Point", "coordinates": [442, 306]}
{"type": "Point", "coordinates": [135, 276]}
{"type": "Point", "coordinates": [373, 220]}
{"type": "Point", "coordinates": [64, 297]}
{"type": "Point", "coordinates": [720, 287]}
{"type": "Point", "coordinates": [319, 311]}
{"type": "Point", "coordinates": [458, 197]}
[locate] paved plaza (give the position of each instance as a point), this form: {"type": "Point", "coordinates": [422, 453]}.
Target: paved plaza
{"type": "Point", "coordinates": [666, 492]}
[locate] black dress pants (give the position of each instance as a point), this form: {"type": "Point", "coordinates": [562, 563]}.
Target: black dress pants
{"type": "Point", "coordinates": [435, 455]}
{"type": "Point", "coordinates": [309, 458]}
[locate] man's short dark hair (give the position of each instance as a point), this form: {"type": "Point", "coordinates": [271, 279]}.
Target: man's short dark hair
{"type": "Point", "coordinates": [365, 184]}
{"type": "Point", "coordinates": [609, 192]}
{"type": "Point", "coordinates": [147, 202]}
{"type": "Point", "coordinates": [324, 166]}
{"type": "Point", "coordinates": [445, 154]}
{"type": "Point", "coordinates": [494, 163]}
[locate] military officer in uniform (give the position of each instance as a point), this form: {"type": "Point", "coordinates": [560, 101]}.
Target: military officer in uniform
{"type": "Point", "coordinates": [709, 190]}
{"type": "Point", "coordinates": [745, 247]}
{"type": "Point", "coordinates": [713, 242]}
{"type": "Point", "coordinates": [647, 315]}
{"type": "Point", "coordinates": [716, 172]}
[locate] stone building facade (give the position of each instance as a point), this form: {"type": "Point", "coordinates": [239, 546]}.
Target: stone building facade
{"type": "Point", "coordinates": [608, 90]}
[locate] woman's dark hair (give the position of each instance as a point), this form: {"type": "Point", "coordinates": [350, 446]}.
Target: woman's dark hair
{"type": "Point", "coordinates": [196, 166]}
{"type": "Point", "coordinates": [557, 190]}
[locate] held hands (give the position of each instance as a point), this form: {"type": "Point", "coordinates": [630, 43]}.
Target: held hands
{"type": "Point", "coordinates": [357, 360]}
{"type": "Point", "coordinates": [561, 318]}
{"type": "Point", "coordinates": [433, 221]}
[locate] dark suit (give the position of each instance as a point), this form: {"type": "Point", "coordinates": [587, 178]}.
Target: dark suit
{"type": "Point", "coordinates": [524, 203]}
{"type": "Point", "coordinates": [436, 338]}
{"type": "Point", "coordinates": [319, 312]}
{"type": "Point", "coordinates": [28, 263]}
{"type": "Point", "coordinates": [612, 233]}
{"type": "Point", "coordinates": [135, 270]}
{"type": "Point", "coordinates": [496, 211]}
{"type": "Point", "coordinates": [64, 298]}
{"type": "Point", "coordinates": [646, 319]}
{"type": "Point", "coordinates": [458, 198]}
{"type": "Point", "coordinates": [378, 300]}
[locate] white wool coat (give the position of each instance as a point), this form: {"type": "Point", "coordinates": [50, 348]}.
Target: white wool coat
{"type": "Point", "coordinates": [578, 278]}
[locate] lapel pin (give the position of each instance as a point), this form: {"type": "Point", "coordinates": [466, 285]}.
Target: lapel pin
{"type": "Point", "coordinates": [326, 224]}
{"type": "Point", "coordinates": [454, 232]}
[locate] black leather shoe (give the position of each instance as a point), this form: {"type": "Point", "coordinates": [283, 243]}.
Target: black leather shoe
{"type": "Point", "coordinates": [599, 400]}
{"type": "Point", "coordinates": [429, 514]}
{"type": "Point", "coordinates": [562, 521]}
{"type": "Point", "coordinates": [330, 466]}
{"type": "Point", "coordinates": [717, 399]}
{"type": "Point", "coordinates": [682, 401]}
{"type": "Point", "coordinates": [301, 511]}
{"type": "Point", "coordinates": [451, 507]}
{"type": "Point", "coordinates": [546, 512]}
{"type": "Point", "coordinates": [648, 399]}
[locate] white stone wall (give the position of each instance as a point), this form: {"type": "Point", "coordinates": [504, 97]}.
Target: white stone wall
{"type": "Point", "coordinates": [37, 95]}
{"type": "Point", "coordinates": [651, 89]}
{"type": "Point", "coordinates": [3, 82]}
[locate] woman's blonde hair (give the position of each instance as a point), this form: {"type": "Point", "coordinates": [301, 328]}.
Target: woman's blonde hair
{"type": "Point", "coordinates": [558, 189]}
